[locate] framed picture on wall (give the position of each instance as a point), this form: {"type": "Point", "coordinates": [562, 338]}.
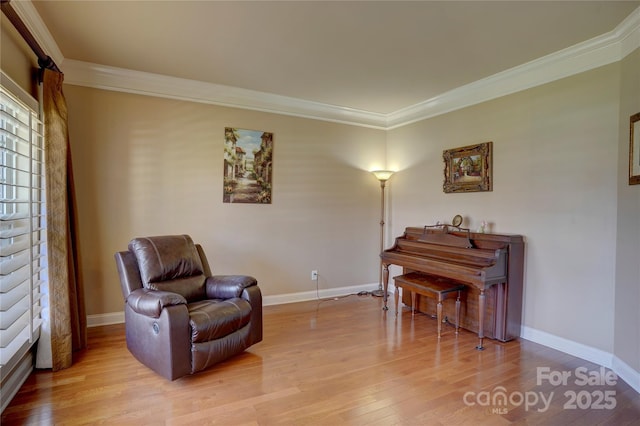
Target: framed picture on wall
{"type": "Point", "coordinates": [634, 149]}
{"type": "Point", "coordinates": [468, 169]}
{"type": "Point", "coordinates": [248, 166]}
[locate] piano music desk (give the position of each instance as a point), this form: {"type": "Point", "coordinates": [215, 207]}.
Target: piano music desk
{"type": "Point", "coordinates": [432, 286]}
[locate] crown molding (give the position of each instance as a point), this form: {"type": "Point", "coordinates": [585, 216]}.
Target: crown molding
{"type": "Point", "coordinates": [596, 52]}
{"type": "Point", "coordinates": [32, 20]}
{"type": "Point", "coordinates": [123, 80]}
{"type": "Point", "coordinates": [628, 33]}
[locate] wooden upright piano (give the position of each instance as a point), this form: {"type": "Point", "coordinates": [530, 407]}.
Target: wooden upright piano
{"type": "Point", "coordinates": [491, 265]}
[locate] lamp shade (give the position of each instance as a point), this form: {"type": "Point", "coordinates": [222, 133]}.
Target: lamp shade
{"type": "Point", "coordinates": [383, 175]}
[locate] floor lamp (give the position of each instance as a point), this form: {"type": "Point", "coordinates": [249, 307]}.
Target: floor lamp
{"type": "Point", "coordinates": [383, 176]}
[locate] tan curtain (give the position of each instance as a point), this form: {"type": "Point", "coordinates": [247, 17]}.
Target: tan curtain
{"type": "Point", "coordinates": [66, 297]}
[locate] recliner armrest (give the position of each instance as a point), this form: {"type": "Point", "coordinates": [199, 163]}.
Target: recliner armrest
{"type": "Point", "coordinates": [228, 286]}
{"type": "Point", "coordinates": [151, 302]}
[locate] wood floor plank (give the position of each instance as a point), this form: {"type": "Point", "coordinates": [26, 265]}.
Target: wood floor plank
{"type": "Point", "coordinates": [328, 362]}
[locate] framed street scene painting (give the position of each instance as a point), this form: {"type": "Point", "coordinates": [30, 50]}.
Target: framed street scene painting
{"type": "Point", "coordinates": [248, 166]}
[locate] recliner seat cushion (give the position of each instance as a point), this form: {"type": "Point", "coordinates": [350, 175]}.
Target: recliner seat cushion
{"type": "Point", "coordinates": [170, 263]}
{"type": "Point", "coordinates": [214, 319]}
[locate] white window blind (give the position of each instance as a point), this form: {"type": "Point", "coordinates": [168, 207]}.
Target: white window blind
{"type": "Point", "coordinates": [23, 271]}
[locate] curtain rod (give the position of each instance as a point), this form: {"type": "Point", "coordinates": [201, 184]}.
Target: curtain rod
{"type": "Point", "coordinates": [44, 60]}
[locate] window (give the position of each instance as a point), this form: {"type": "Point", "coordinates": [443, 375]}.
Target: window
{"type": "Point", "coordinates": [23, 270]}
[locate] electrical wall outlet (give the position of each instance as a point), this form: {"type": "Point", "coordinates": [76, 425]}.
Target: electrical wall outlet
{"type": "Point", "coordinates": [314, 275]}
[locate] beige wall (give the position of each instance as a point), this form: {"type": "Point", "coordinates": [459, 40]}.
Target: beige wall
{"type": "Point", "coordinates": [16, 58]}
{"type": "Point", "coordinates": [627, 289]}
{"type": "Point", "coordinates": [148, 166]}
{"type": "Point", "coordinates": [555, 182]}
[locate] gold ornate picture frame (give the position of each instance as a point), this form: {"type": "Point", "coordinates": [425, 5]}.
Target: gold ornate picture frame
{"type": "Point", "coordinates": [468, 169]}
{"type": "Point", "coordinates": [634, 149]}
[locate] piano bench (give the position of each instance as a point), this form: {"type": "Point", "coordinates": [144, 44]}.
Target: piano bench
{"type": "Point", "coordinates": [432, 286]}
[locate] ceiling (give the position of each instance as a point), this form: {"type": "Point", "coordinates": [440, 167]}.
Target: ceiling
{"type": "Point", "coordinates": [373, 56]}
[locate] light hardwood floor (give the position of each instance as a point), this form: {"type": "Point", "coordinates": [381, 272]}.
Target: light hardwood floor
{"type": "Point", "coordinates": [332, 362]}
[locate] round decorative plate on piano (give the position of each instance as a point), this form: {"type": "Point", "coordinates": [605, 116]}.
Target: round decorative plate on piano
{"type": "Point", "coordinates": [457, 220]}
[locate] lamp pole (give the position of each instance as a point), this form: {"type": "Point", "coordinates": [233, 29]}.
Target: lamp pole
{"type": "Point", "coordinates": [382, 176]}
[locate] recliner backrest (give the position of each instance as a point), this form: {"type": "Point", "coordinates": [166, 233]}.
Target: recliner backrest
{"type": "Point", "coordinates": [170, 263]}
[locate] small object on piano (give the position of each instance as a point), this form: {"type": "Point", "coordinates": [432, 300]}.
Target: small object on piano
{"type": "Point", "coordinates": [456, 221]}
{"type": "Point", "coordinates": [483, 226]}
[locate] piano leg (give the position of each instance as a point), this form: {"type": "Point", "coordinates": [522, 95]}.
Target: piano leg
{"type": "Point", "coordinates": [385, 283]}
{"type": "Point", "coordinates": [481, 307]}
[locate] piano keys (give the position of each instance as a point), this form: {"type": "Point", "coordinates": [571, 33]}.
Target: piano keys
{"type": "Point", "coordinates": [491, 265]}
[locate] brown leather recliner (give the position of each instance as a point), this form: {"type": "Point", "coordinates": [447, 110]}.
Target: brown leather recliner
{"type": "Point", "coordinates": [179, 319]}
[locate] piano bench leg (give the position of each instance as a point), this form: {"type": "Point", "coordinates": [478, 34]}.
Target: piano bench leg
{"type": "Point", "coordinates": [439, 315]}
{"type": "Point", "coordinates": [413, 304]}
{"type": "Point", "coordinates": [458, 313]}
{"type": "Point", "coordinates": [396, 295]}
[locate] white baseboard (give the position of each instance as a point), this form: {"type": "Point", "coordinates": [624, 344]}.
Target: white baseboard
{"type": "Point", "coordinates": [585, 352]}
{"type": "Point", "coordinates": [280, 299]}
{"type": "Point", "coordinates": [588, 353]}
{"type": "Point", "coordinates": [105, 319]}
{"type": "Point", "coordinates": [320, 294]}
{"type": "Point", "coordinates": [626, 373]}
